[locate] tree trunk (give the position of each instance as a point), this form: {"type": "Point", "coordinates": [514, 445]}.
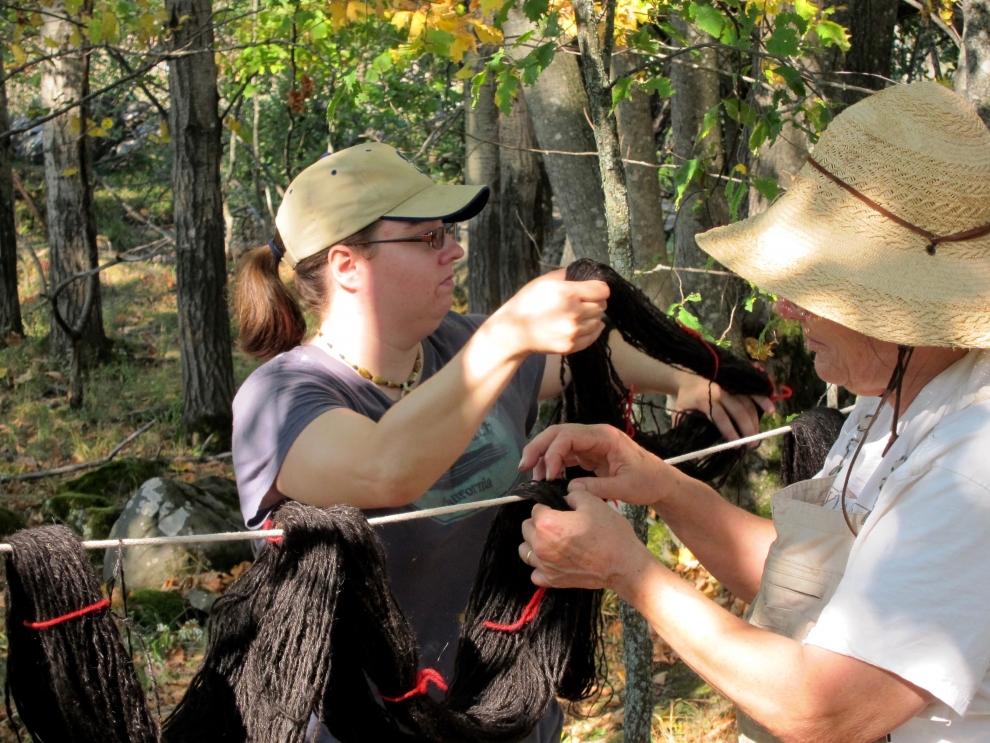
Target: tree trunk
{"type": "Point", "coordinates": [595, 63]}
{"type": "Point", "coordinates": [638, 143]}
{"type": "Point", "coordinates": [204, 323]}
{"type": "Point", "coordinates": [71, 221]}
{"type": "Point", "coordinates": [973, 72]}
{"type": "Point", "coordinates": [703, 205]}
{"type": "Point", "coordinates": [871, 31]}
{"type": "Point", "coordinates": [525, 204]}
{"type": "Point", "coordinates": [482, 168]}
{"type": "Point", "coordinates": [10, 306]}
{"type": "Point", "coordinates": [558, 106]}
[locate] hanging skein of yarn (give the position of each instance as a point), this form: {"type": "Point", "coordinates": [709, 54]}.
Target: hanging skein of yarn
{"type": "Point", "coordinates": [804, 449]}
{"type": "Point", "coordinates": [67, 669]}
{"type": "Point", "coordinates": [596, 394]}
{"type": "Point", "coordinates": [322, 593]}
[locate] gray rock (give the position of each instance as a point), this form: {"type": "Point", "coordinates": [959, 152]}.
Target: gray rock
{"type": "Point", "coordinates": [200, 598]}
{"type": "Point", "coordinates": [163, 507]}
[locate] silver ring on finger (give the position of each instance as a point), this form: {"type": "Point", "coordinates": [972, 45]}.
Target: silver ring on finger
{"type": "Point", "coordinates": [528, 555]}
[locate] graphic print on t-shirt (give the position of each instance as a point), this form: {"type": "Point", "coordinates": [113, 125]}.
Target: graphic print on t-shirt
{"type": "Point", "coordinates": [486, 470]}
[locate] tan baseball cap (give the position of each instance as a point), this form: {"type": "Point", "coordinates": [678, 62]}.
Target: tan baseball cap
{"type": "Point", "coordinates": [343, 193]}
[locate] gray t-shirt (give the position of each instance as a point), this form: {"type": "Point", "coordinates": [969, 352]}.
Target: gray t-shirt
{"type": "Point", "coordinates": [432, 562]}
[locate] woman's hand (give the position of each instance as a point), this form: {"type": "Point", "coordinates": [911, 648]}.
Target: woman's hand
{"type": "Point", "coordinates": [592, 546]}
{"type": "Point", "coordinates": [551, 315]}
{"type": "Point", "coordinates": [625, 471]}
{"type": "Point", "coordinates": [735, 415]}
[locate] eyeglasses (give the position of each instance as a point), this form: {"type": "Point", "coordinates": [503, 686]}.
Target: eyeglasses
{"type": "Point", "coordinates": [434, 237]}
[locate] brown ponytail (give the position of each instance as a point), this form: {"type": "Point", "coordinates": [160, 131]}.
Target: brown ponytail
{"type": "Point", "coordinates": [269, 317]}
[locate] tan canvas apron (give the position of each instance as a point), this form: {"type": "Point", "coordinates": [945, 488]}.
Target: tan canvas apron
{"type": "Point", "coordinates": [802, 571]}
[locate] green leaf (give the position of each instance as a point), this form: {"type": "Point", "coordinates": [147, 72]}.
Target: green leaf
{"type": "Point", "coordinates": [767, 187]}
{"type": "Point", "coordinates": [708, 19]}
{"type": "Point", "coordinates": [95, 31]}
{"type": "Point", "coordinates": [544, 54]}
{"type": "Point", "coordinates": [684, 176]}
{"type": "Point", "coordinates": [621, 91]}
{"type": "Point", "coordinates": [319, 30]}
{"type": "Point", "coordinates": [72, 6]}
{"type": "Point", "coordinates": [438, 41]}
{"type": "Point", "coordinates": [832, 33]}
{"type": "Point", "coordinates": [659, 85]}
{"type": "Point", "coordinates": [534, 9]}
{"type": "Point", "coordinates": [338, 97]}
{"type": "Point", "coordinates": [734, 193]}
{"type": "Point", "coordinates": [506, 91]}
{"type": "Point", "coordinates": [784, 42]}
{"type": "Point", "coordinates": [792, 77]}
{"type": "Point", "coordinates": [643, 41]}
{"type": "Point", "coordinates": [503, 14]}
{"type": "Point", "coordinates": [806, 9]}
{"type": "Point", "coordinates": [739, 110]}
{"type": "Point", "coordinates": [711, 117]}
{"type": "Point", "coordinates": [759, 135]}
{"type": "Point", "coordinates": [476, 82]}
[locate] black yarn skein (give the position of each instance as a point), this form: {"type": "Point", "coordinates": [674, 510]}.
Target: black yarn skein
{"type": "Point", "coordinates": [804, 449]}
{"type": "Point", "coordinates": [73, 682]}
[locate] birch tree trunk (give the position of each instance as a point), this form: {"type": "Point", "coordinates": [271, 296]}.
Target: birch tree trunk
{"type": "Point", "coordinates": [71, 221]}
{"type": "Point", "coordinates": [10, 306]}
{"type": "Point", "coordinates": [482, 168]}
{"type": "Point", "coordinates": [637, 644]}
{"type": "Point", "coordinates": [973, 72]}
{"type": "Point", "coordinates": [204, 322]}
{"type": "Point", "coordinates": [557, 104]}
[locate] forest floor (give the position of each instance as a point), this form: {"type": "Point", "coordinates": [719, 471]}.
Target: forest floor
{"type": "Point", "coordinates": [140, 384]}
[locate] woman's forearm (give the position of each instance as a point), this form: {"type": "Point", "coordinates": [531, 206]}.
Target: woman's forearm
{"type": "Point", "coordinates": [802, 694]}
{"type": "Point", "coordinates": [730, 542]}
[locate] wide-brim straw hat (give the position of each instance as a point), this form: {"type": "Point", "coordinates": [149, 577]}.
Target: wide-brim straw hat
{"type": "Point", "coordinates": [919, 153]}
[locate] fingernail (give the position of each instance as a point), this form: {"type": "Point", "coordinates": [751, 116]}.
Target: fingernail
{"type": "Point", "coordinates": [576, 485]}
{"type": "Point", "coordinates": [520, 465]}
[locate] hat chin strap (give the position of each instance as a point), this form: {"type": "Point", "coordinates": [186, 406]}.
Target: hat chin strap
{"type": "Point", "coordinates": [932, 238]}
{"type": "Point", "coordinates": [894, 387]}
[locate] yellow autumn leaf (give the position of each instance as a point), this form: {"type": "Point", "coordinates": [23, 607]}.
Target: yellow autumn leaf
{"type": "Point", "coordinates": [338, 13]}
{"type": "Point", "coordinates": [96, 132]}
{"type": "Point", "coordinates": [400, 19]}
{"type": "Point", "coordinates": [417, 24]}
{"type": "Point", "coordinates": [462, 43]}
{"type": "Point", "coordinates": [70, 171]}
{"type": "Point", "coordinates": [757, 350]}
{"type": "Point", "coordinates": [163, 134]}
{"type": "Point", "coordinates": [464, 73]}
{"type": "Point", "coordinates": [111, 27]}
{"type": "Point", "coordinates": [487, 34]}
{"type": "Point", "coordinates": [685, 557]}
{"type": "Point", "coordinates": [235, 126]}
{"type": "Point", "coordinates": [357, 10]}
{"type": "Point", "coordinates": [741, 168]}
{"type": "Point", "coordinates": [75, 38]}
{"type": "Point", "coordinates": [107, 123]}
{"type": "Point", "coordinates": [19, 56]}
{"type": "Point", "coordinates": [35, 20]}
{"type": "Point", "coordinates": [75, 124]}
{"type": "Point", "coordinates": [491, 6]}
{"type": "Point", "coordinates": [50, 43]}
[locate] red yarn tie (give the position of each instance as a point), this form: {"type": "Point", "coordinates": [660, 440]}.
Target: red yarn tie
{"type": "Point", "coordinates": [269, 524]}
{"type": "Point", "coordinates": [423, 678]}
{"type": "Point", "coordinates": [98, 606]}
{"type": "Point", "coordinates": [695, 334]}
{"type": "Point", "coordinates": [528, 614]}
{"type": "Point", "coordinates": [627, 411]}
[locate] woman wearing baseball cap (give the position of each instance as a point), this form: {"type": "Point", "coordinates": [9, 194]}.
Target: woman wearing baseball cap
{"type": "Point", "coordinates": [869, 617]}
{"type": "Point", "coordinates": [396, 403]}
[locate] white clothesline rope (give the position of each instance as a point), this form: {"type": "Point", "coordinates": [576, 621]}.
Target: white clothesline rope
{"type": "Point", "coordinates": [240, 536]}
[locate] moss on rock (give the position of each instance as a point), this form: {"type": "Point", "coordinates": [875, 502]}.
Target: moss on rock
{"type": "Point", "coordinates": [151, 608]}
{"type": "Point", "coordinates": [116, 479]}
{"type": "Point", "coordinates": [10, 521]}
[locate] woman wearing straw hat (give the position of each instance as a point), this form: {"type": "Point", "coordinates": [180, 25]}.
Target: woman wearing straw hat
{"type": "Point", "coordinates": [396, 403]}
{"type": "Point", "coordinates": [869, 617]}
